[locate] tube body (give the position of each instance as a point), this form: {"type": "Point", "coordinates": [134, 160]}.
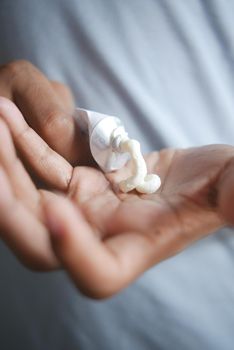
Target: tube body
{"type": "Point", "coordinates": [103, 131]}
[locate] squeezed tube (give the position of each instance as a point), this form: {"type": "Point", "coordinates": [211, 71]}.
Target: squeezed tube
{"type": "Point", "coordinates": [111, 148]}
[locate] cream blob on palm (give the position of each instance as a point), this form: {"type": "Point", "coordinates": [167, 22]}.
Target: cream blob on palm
{"type": "Point", "coordinates": [111, 147]}
{"type": "Point", "coordinates": [140, 180]}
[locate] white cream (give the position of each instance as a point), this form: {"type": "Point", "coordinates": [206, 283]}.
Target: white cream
{"type": "Point", "coordinates": [110, 146]}
{"type": "Point", "coordinates": [140, 180]}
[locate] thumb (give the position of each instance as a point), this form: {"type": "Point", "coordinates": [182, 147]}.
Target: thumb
{"type": "Point", "coordinates": [47, 107]}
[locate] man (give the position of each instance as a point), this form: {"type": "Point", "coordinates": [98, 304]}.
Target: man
{"type": "Point", "coordinates": [157, 76]}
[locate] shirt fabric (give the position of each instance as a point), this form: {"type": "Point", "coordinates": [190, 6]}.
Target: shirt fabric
{"type": "Point", "coordinates": [166, 68]}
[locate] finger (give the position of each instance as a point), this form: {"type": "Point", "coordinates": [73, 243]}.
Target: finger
{"type": "Point", "coordinates": [43, 109]}
{"type": "Point", "coordinates": [102, 268]}
{"type": "Point", "coordinates": [22, 232]}
{"type": "Point", "coordinates": [47, 164]}
{"type": "Point", "coordinates": [21, 183]}
{"type": "Point", "coordinates": [64, 94]}
{"type": "Point", "coordinates": [83, 255]}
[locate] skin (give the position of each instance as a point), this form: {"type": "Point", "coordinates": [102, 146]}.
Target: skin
{"type": "Point", "coordinates": [103, 238]}
{"type": "Point", "coordinates": [47, 107]}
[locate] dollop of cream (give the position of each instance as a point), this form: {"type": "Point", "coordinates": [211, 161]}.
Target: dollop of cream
{"type": "Point", "coordinates": [140, 180]}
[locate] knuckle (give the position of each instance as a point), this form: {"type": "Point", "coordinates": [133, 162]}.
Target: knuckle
{"type": "Point", "coordinates": [102, 287]}
{"type": "Point", "coordinates": [61, 87]}
{"type": "Point", "coordinates": [14, 68]}
{"type": "Point", "coordinates": [64, 93]}
{"type": "Point", "coordinates": [55, 123]}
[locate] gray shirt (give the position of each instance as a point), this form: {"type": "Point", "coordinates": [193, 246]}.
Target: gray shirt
{"type": "Point", "coordinates": [167, 69]}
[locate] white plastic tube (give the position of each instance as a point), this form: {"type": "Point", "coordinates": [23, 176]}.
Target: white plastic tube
{"type": "Point", "coordinates": [111, 148]}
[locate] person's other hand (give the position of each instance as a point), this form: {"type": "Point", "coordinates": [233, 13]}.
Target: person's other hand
{"type": "Point", "coordinates": [103, 238]}
{"type": "Point", "coordinates": [47, 107]}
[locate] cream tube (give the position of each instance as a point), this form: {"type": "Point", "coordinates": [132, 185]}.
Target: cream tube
{"type": "Point", "coordinates": [111, 148]}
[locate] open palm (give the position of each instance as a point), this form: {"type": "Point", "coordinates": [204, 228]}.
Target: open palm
{"type": "Point", "coordinates": [104, 238]}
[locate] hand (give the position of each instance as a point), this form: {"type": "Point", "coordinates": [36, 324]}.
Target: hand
{"type": "Point", "coordinates": [47, 106]}
{"type": "Point", "coordinates": [106, 239]}
{"type": "Point", "coordinates": [103, 238]}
